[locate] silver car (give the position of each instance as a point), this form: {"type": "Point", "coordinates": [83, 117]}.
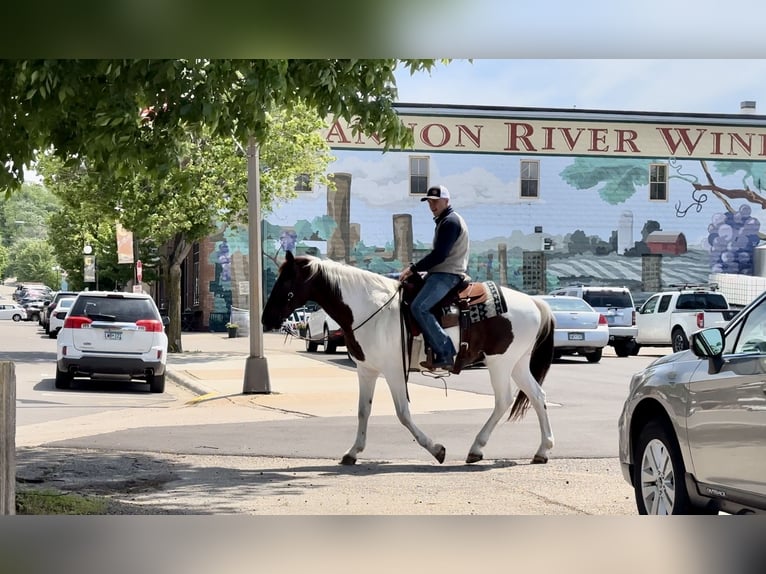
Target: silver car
{"type": "Point", "coordinates": [580, 329]}
{"type": "Point", "coordinates": [692, 433]}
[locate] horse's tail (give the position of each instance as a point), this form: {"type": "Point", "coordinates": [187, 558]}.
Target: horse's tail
{"type": "Point", "coordinates": [541, 359]}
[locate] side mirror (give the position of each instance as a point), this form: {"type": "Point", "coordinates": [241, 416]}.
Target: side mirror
{"type": "Point", "coordinates": [165, 320]}
{"type": "Point", "coordinates": [708, 343]}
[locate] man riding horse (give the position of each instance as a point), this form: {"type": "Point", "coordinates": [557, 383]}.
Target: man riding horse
{"type": "Point", "coordinates": [446, 266]}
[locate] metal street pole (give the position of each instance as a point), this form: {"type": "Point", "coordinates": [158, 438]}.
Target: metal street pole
{"type": "Point", "coordinates": [256, 368]}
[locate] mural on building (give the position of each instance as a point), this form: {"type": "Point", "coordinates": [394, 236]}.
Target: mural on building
{"type": "Point", "coordinates": [595, 214]}
{"type": "Point", "coordinates": [598, 217]}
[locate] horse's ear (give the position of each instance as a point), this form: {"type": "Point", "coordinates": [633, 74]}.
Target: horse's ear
{"type": "Point", "coordinates": [289, 257]}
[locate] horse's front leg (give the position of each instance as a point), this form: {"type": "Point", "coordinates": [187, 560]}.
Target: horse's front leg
{"type": "Point", "coordinates": [367, 378]}
{"type": "Point", "coordinates": [398, 389]}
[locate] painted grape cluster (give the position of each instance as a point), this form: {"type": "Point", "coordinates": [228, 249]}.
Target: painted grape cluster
{"type": "Point", "coordinates": [732, 239]}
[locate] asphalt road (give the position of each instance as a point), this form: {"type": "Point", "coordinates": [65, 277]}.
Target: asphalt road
{"type": "Point", "coordinates": [167, 454]}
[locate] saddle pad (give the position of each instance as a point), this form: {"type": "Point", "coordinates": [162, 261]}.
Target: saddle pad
{"type": "Point", "coordinates": [492, 305]}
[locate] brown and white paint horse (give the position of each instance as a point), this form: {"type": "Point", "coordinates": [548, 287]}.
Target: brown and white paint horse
{"type": "Point", "coordinates": [367, 307]}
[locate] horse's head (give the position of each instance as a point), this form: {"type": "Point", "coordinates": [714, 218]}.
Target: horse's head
{"type": "Point", "coordinates": [290, 291]}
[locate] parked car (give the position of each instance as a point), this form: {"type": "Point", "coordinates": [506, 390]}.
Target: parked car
{"type": "Point", "coordinates": [691, 431]}
{"type": "Point", "coordinates": [321, 329]}
{"type": "Point", "coordinates": [580, 329]}
{"type": "Point", "coordinates": [34, 309]}
{"type": "Point", "coordinates": [112, 333]}
{"type": "Point", "coordinates": [668, 318]}
{"type": "Point", "coordinates": [58, 316]}
{"type": "Point", "coordinates": [12, 311]}
{"type": "Point", "coordinates": [616, 304]}
{"type": "Point", "coordinates": [45, 318]}
{"type": "Point", "coordinates": [295, 321]}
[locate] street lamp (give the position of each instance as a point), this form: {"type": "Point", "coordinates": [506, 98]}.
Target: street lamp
{"type": "Point", "coordinates": [90, 274]}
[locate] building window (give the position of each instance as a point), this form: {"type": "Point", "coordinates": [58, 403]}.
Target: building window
{"type": "Point", "coordinates": [303, 182]}
{"type": "Point", "coordinates": [418, 175]}
{"type": "Point", "coordinates": [658, 182]}
{"type": "Point", "coordinates": [530, 178]}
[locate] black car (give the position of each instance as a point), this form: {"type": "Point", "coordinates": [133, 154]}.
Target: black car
{"type": "Point", "coordinates": [45, 318]}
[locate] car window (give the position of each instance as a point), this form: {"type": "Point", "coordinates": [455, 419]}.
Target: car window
{"type": "Point", "coordinates": [752, 338]}
{"type": "Point", "coordinates": [701, 301]}
{"type": "Point", "coordinates": [568, 304]}
{"type": "Point", "coordinates": [120, 310]}
{"type": "Point", "coordinates": [616, 299]}
{"type": "Point", "coordinates": [664, 303]}
{"type": "Point", "coordinates": [650, 305]}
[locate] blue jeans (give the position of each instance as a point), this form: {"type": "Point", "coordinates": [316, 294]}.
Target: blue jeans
{"type": "Point", "coordinates": [437, 285]}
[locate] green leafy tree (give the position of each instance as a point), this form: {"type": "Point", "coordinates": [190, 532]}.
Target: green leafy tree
{"type": "Point", "coordinates": [130, 119]}
{"type": "Point", "coordinates": [128, 116]}
{"type": "Point", "coordinates": [208, 188]}
{"type": "Point", "coordinates": [25, 214]}
{"type": "Point", "coordinates": [33, 260]}
{"type": "Point", "coordinates": [3, 261]}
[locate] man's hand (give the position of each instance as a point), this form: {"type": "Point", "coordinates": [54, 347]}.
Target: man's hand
{"type": "Point", "coordinates": [405, 274]}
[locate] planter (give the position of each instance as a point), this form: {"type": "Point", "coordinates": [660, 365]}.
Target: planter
{"type": "Point", "coordinates": [232, 332]}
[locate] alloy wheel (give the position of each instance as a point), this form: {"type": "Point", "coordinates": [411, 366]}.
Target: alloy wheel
{"type": "Point", "coordinates": [658, 479]}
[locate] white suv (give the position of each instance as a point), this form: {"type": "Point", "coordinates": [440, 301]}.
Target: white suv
{"type": "Point", "coordinates": [616, 304]}
{"type": "Point", "coordinates": [321, 329]}
{"type": "Point", "coordinates": [111, 333]}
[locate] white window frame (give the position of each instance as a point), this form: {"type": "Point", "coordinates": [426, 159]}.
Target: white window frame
{"type": "Point", "coordinates": [419, 167]}
{"type": "Point", "coordinates": [525, 176]}
{"type": "Point", "coordinates": [303, 183]}
{"type": "Point", "coordinates": [658, 189]}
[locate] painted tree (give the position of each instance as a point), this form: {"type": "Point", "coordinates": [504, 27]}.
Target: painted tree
{"type": "Point", "coordinates": [732, 235]}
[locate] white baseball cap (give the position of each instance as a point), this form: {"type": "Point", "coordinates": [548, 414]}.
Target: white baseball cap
{"type": "Point", "coordinates": [436, 192]}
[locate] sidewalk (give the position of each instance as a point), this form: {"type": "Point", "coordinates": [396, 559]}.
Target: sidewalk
{"type": "Point", "coordinates": [213, 366]}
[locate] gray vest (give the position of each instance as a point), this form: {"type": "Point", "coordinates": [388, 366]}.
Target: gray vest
{"type": "Point", "coordinates": [457, 259]}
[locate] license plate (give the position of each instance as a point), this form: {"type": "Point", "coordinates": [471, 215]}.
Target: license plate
{"type": "Point", "coordinates": [576, 336]}
{"type": "Point", "coordinates": [113, 335]}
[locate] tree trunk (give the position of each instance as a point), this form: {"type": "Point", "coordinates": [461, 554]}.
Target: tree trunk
{"type": "Point", "coordinates": [174, 308]}
{"type": "Point", "coordinates": [180, 251]}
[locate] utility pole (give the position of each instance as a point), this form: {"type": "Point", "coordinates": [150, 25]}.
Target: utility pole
{"type": "Point", "coordinates": [256, 368]}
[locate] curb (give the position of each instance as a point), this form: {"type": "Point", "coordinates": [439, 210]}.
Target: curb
{"type": "Point", "coordinates": [185, 382]}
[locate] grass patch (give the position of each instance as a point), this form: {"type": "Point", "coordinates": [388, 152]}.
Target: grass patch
{"type": "Point", "coordinates": [48, 502]}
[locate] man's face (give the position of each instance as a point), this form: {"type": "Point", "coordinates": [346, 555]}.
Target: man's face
{"type": "Point", "coordinates": [437, 206]}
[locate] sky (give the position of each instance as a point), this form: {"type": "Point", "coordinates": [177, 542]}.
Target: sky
{"type": "Point", "coordinates": [716, 86]}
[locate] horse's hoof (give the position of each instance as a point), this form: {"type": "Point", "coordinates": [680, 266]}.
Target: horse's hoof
{"type": "Point", "coordinates": [472, 457]}
{"type": "Point", "coordinates": [539, 459]}
{"type": "Point", "coordinates": [440, 453]}
{"type": "Point", "coordinates": [348, 460]}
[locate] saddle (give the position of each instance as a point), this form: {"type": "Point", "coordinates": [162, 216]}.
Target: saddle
{"type": "Point", "coordinates": [464, 305]}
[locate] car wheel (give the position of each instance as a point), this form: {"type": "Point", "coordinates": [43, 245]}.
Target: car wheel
{"type": "Point", "coordinates": [594, 356]}
{"type": "Point", "coordinates": [52, 334]}
{"type": "Point", "coordinates": [311, 346]}
{"type": "Point", "coordinates": [156, 383]}
{"type": "Point", "coordinates": [63, 379]}
{"type": "Point", "coordinates": [636, 348]}
{"type": "Point", "coordinates": [680, 342]}
{"type": "Point", "coordinates": [329, 346]}
{"type": "Point", "coordinates": [659, 473]}
{"type": "Point", "coordinates": [622, 348]}
{"type": "Point", "coordinates": [16, 318]}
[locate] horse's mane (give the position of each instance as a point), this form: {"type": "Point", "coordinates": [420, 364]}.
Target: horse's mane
{"type": "Point", "coordinates": [336, 273]}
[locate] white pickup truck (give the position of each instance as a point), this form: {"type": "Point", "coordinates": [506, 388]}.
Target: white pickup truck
{"type": "Point", "coordinates": [668, 318]}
